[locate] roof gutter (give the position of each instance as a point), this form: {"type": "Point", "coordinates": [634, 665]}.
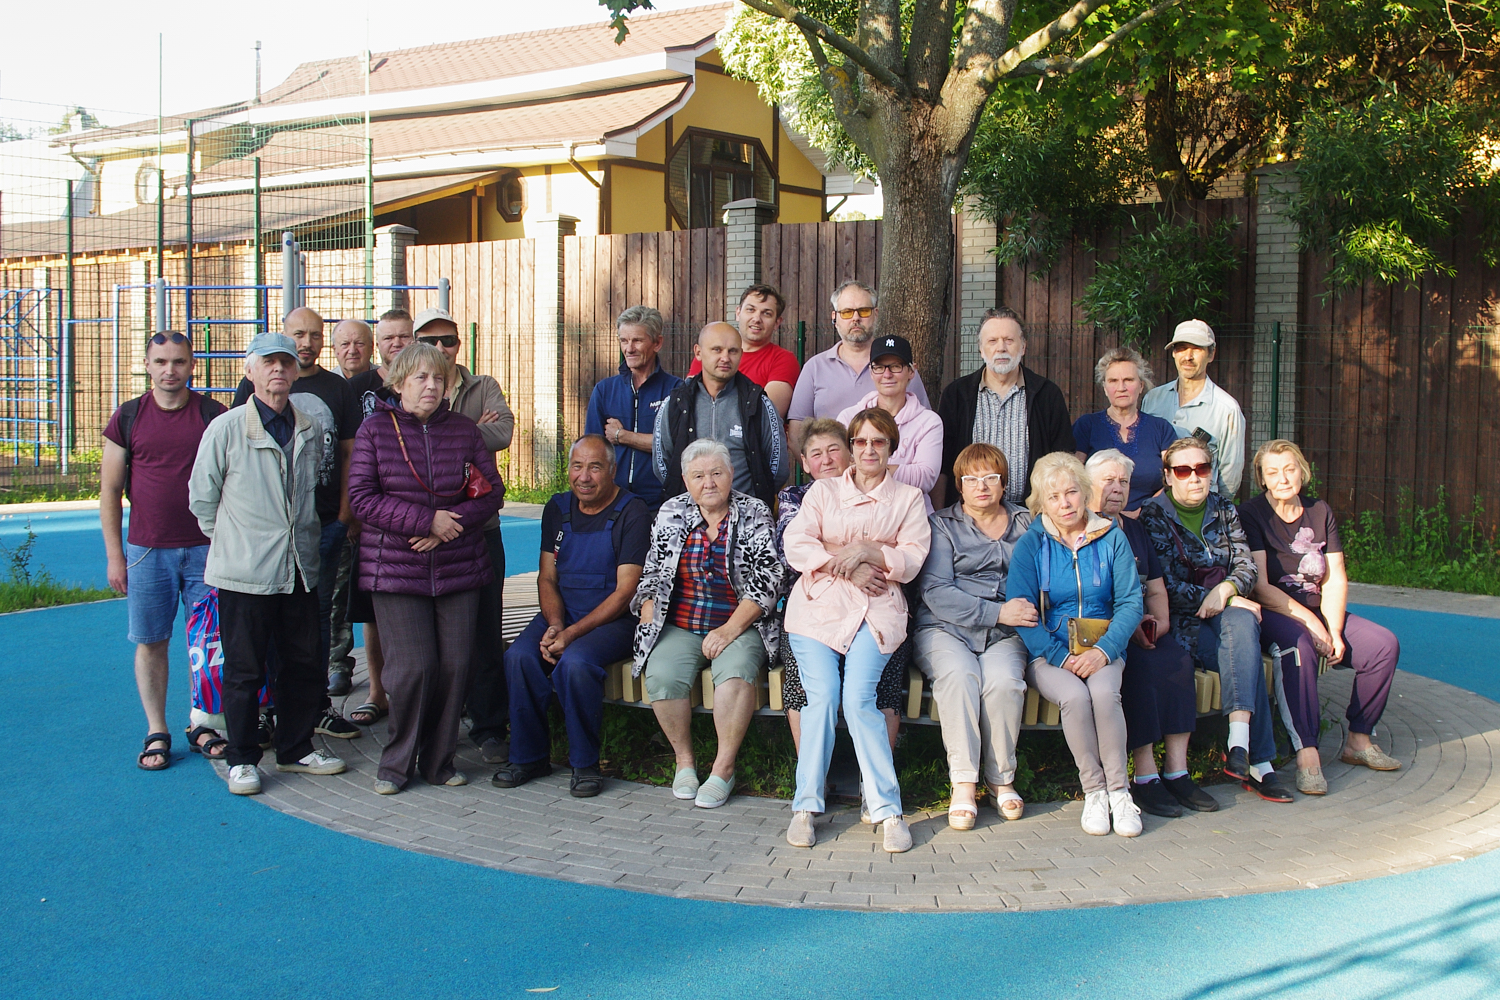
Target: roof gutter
{"type": "Point", "coordinates": [572, 146]}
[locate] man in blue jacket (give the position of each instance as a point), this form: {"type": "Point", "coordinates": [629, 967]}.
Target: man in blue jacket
{"type": "Point", "coordinates": [623, 407]}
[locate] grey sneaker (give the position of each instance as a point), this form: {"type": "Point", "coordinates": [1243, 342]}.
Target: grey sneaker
{"type": "Point", "coordinates": [801, 832]}
{"type": "Point", "coordinates": [494, 751]}
{"type": "Point", "coordinates": [316, 762]}
{"type": "Point", "coordinates": [897, 835]}
{"type": "Point", "coordinates": [244, 779]}
{"type": "Point", "coordinates": [458, 780]}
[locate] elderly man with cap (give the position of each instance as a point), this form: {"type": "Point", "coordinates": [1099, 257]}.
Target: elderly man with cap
{"type": "Point", "coordinates": [253, 490]}
{"type": "Point", "coordinates": [1198, 408]}
{"type": "Point", "coordinates": [480, 398]}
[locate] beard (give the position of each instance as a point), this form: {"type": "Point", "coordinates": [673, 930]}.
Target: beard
{"type": "Point", "coordinates": [859, 335]}
{"type": "Point", "coordinates": [1003, 364]}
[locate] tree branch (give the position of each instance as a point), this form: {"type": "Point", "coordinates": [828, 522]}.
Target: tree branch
{"type": "Point", "coordinates": [814, 28]}
{"type": "Point", "coordinates": [1066, 65]}
{"type": "Point", "coordinates": [841, 91]}
{"type": "Point", "coordinates": [1065, 25]}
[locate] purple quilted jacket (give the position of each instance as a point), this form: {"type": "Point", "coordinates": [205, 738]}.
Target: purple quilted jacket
{"type": "Point", "coordinates": [394, 507]}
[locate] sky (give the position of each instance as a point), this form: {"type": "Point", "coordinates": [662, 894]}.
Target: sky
{"type": "Point", "coordinates": [102, 54]}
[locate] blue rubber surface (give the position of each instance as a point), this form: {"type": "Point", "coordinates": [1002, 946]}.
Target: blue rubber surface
{"type": "Point", "coordinates": [120, 883]}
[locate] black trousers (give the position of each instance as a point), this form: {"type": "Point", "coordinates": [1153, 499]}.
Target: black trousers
{"type": "Point", "coordinates": [488, 697]}
{"type": "Point", "coordinates": [248, 624]}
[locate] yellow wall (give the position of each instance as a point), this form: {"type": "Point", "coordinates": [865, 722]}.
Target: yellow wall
{"type": "Point", "coordinates": [637, 204]}
{"type": "Point", "coordinates": [800, 208]}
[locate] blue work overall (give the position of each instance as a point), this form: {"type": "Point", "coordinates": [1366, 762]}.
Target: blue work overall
{"type": "Point", "coordinates": [586, 576]}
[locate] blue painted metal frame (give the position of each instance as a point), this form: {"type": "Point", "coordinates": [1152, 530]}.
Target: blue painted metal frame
{"type": "Point", "coordinates": [31, 372]}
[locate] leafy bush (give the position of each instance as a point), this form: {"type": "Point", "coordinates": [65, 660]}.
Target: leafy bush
{"type": "Point", "coordinates": [1424, 550]}
{"type": "Point", "coordinates": [26, 587]}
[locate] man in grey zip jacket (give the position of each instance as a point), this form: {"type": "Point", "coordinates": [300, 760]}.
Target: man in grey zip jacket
{"type": "Point", "coordinates": [252, 491]}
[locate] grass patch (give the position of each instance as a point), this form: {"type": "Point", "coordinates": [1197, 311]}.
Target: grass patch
{"type": "Point", "coordinates": [26, 587]}
{"type": "Point", "coordinates": [1425, 550]}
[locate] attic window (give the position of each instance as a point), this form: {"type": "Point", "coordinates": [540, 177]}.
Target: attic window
{"type": "Point", "coordinates": [510, 196]}
{"type": "Point", "coordinates": [708, 170]}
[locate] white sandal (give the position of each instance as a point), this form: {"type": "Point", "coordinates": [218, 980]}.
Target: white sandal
{"type": "Point", "coordinates": [1004, 799]}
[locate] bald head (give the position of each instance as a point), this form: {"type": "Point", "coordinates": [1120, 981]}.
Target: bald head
{"type": "Point", "coordinates": [353, 345]}
{"type": "Point", "coordinates": [306, 328]}
{"type": "Point", "coordinates": [719, 351]}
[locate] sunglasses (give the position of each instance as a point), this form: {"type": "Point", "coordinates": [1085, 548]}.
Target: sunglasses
{"type": "Point", "coordinates": [864, 313]}
{"type": "Point", "coordinates": [872, 442]}
{"type": "Point", "coordinates": [447, 340]}
{"type": "Point", "coordinates": [1201, 470]}
{"type": "Point", "coordinates": [171, 338]}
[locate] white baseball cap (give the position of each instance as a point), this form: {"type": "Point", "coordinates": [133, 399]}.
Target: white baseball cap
{"type": "Point", "coordinates": [1193, 331]}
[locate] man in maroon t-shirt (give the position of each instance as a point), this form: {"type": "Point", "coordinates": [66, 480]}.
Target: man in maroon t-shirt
{"type": "Point", "coordinates": [767, 364]}
{"type": "Point", "coordinates": [149, 447]}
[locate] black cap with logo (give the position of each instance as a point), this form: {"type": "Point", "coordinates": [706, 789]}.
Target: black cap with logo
{"type": "Point", "coordinates": [898, 346]}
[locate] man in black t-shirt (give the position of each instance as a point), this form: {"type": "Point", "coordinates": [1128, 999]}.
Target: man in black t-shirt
{"type": "Point", "coordinates": [331, 404]}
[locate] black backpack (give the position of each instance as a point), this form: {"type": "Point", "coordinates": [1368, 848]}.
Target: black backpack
{"type": "Point", "coordinates": [207, 406]}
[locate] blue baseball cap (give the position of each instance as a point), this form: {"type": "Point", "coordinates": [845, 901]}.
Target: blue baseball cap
{"type": "Point", "coordinates": [266, 344]}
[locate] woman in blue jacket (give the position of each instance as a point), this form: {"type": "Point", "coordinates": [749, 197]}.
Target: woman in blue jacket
{"type": "Point", "coordinates": [1072, 563]}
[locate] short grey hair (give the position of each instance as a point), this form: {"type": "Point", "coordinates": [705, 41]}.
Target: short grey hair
{"type": "Point", "coordinates": [359, 326]}
{"type": "Point", "coordinates": [1102, 458]}
{"type": "Point", "coordinates": [641, 316]}
{"type": "Point", "coordinates": [609, 449]}
{"type": "Point", "coordinates": [1125, 355]}
{"type": "Point", "coordinates": [416, 356]}
{"type": "Point", "coordinates": [833, 300]}
{"type": "Point", "coordinates": [706, 448]}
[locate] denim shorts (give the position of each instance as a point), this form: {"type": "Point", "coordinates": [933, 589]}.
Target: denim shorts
{"type": "Point", "coordinates": [156, 581]}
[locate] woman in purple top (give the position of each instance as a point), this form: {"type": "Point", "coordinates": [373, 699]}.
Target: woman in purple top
{"type": "Point", "coordinates": [1125, 377]}
{"type": "Point", "coordinates": [1304, 594]}
{"type": "Point", "coordinates": [423, 558]}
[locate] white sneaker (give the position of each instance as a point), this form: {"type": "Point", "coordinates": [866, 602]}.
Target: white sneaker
{"type": "Point", "coordinates": [244, 779]}
{"type": "Point", "coordinates": [316, 762]}
{"type": "Point", "coordinates": [801, 832]}
{"type": "Point", "coordinates": [1096, 813]}
{"type": "Point", "coordinates": [1126, 814]}
{"type": "Point", "coordinates": [897, 835]}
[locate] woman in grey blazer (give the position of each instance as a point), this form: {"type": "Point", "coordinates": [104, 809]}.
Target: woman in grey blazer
{"type": "Point", "coordinates": [965, 640]}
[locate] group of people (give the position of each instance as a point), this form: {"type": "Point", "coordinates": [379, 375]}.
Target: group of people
{"type": "Point", "coordinates": [993, 542]}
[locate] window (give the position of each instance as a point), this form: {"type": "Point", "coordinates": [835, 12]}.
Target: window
{"type": "Point", "coordinates": [708, 170]}
{"type": "Point", "coordinates": [510, 196]}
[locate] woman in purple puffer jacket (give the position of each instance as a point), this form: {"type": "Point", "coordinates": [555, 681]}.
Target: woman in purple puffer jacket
{"type": "Point", "coordinates": [422, 557]}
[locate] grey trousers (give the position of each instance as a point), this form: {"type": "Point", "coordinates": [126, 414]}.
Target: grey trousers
{"type": "Point", "coordinates": [1092, 719]}
{"type": "Point", "coordinates": [980, 700]}
{"type": "Point", "coordinates": [428, 642]}
{"type": "Point", "coordinates": [339, 657]}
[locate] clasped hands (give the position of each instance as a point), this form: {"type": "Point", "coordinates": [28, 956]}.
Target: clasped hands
{"type": "Point", "coordinates": [445, 528]}
{"type": "Point", "coordinates": [861, 563]}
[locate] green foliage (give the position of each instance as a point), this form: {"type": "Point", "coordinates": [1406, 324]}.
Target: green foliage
{"type": "Point", "coordinates": [1163, 269]}
{"type": "Point", "coordinates": [1425, 550]}
{"type": "Point", "coordinates": [27, 587]}
{"type": "Point", "coordinates": [1386, 179]}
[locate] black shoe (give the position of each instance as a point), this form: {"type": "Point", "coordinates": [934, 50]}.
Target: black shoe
{"type": "Point", "coordinates": [1269, 788]}
{"type": "Point", "coordinates": [516, 775]}
{"type": "Point", "coordinates": [1190, 795]}
{"type": "Point", "coordinates": [335, 725]}
{"type": "Point", "coordinates": [340, 682]}
{"type": "Point", "coordinates": [1154, 798]}
{"type": "Point", "coordinates": [495, 751]}
{"type": "Point", "coordinates": [586, 783]}
{"type": "Point", "coordinates": [265, 734]}
{"type": "Point", "coordinates": [1237, 763]}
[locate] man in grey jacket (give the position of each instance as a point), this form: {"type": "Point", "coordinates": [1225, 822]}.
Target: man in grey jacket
{"type": "Point", "coordinates": [480, 398]}
{"type": "Point", "coordinates": [252, 491]}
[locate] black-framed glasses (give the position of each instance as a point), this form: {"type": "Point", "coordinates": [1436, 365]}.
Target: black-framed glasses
{"type": "Point", "coordinates": [447, 340]}
{"type": "Point", "coordinates": [171, 338]}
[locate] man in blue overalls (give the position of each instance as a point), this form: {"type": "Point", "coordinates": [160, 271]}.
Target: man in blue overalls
{"type": "Point", "coordinates": [594, 541]}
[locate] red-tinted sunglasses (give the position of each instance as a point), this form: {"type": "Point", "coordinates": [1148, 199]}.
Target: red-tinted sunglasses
{"type": "Point", "coordinates": [1184, 471]}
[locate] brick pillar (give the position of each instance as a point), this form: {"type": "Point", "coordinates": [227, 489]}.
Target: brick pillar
{"type": "Point", "coordinates": [390, 265]}
{"type": "Point", "coordinates": [744, 219]}
{"type": "Point", "coordinates": [1278, 299]}
{"type": "Point", "coordinates": [979, 281]}
{"type": "Point", "coordinates": [549, 232]}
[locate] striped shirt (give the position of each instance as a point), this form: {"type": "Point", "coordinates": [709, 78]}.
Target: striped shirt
{"type": "Point", "coordinates": [1002, 423]}
{"type": "Point", "coordinates": [704, 598]}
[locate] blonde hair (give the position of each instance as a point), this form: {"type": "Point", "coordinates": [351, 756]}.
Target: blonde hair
{"type": "Point", "coordinates": [1281, 446]}
{"type": "Point", "coordinates": [416, 356]}
{"type": "Point", "coordinates": [1048, 468]}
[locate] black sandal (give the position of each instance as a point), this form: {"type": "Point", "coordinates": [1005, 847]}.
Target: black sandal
{"type": "Point", "coordinates": [207, 747]}
{"type": "Point", "coordinates": [165, 753]}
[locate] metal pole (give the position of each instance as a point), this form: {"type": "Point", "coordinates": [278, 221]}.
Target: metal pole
{"type": "Point", "coordinates": [260, 263]}
{"type": "Point", "coordinates": [1276, 379]}
{"type": "Point", "coordinates": [801, 341]}
{"type": "Point", "coordinates": [116, 318]}
{"type": "Point", "coordinates": [443, 287]}
{"type": "Point", "coordinates": [289, 279]}
{"type": "Point", "coordinates": [65, 438]}
{"type": "Point", "coordinates": [161, 172]}
{"type": "Point", "coordinates": [163, 307]}
{"type": "Point", "coordinates": [473, 346]}
{"type": "Point", "coordinates": [187, 308]}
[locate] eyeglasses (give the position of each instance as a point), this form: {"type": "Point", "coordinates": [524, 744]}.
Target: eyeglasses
{"type": "Point", "coordinates": [864, 313]}
{"type": "Point", "coordinates": [893, 369]}
{"type": "Point", "coordinates": [992, 480]}
{"type": "Point", "coordinates": [171, 338]}
{"type": "Point", "coordinates": [447, 340]}
{"type": "Point", "coordinates": [1201, 470]}
{"type": "Point", "coordinates": [872, 442]}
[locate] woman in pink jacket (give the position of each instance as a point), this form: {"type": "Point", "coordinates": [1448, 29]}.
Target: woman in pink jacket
{"type": "Point", "coordinates": [920, 457]}
{"type": "Point", "coordinates": [857, 539]}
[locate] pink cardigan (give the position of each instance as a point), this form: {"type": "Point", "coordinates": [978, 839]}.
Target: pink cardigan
{"type": "Point", "coordinates": [831, 609]}
{"type": "Point", "coordinates": [920, 457]}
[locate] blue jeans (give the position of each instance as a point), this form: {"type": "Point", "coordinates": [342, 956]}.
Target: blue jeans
{"type": "Point", "coordinates": [578, 681]}
{"type": "Point", "coordinates": [330, 547]}
{"type": "Point", "coordinates": [1229, 643]}
{"type": "Point", "coordinates": [860, 668]}
{"type": "Point", "coordinates": [157, 580]}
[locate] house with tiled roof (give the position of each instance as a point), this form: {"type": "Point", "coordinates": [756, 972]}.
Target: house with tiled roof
{"type": "Point", "coordinates": [467, 141]}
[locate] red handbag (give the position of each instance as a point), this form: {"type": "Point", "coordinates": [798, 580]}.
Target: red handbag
{"type": "Point", "coordinates": [475, 483]}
